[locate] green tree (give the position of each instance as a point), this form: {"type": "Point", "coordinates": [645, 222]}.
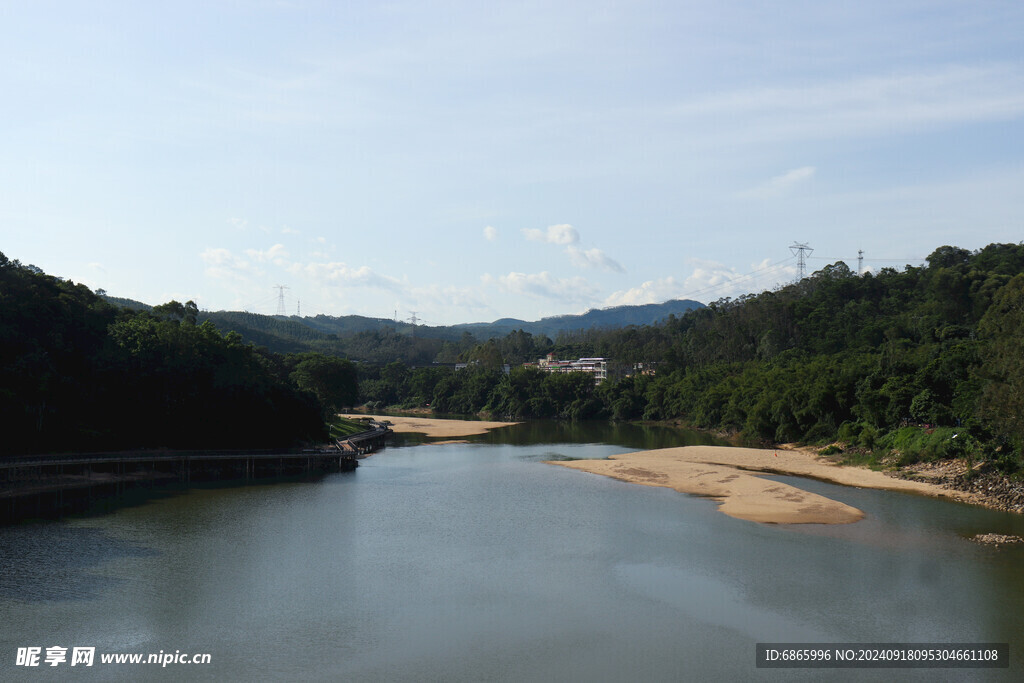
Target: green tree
{"type": "Point", "coordinates": [1002, 329]}
{"type": "Point", "coordinates": [332, 379]}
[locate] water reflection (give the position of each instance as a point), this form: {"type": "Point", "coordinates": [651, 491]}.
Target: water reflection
{"type": "Point", "coordinates": [478, 562]}
{"type": "Point", "coordinates": [638, 436]}
{"type": "Point", "coordinates": [710, 600]}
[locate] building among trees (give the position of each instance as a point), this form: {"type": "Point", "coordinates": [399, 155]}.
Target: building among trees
{"type": "Point", "coordinates": [598, 367]}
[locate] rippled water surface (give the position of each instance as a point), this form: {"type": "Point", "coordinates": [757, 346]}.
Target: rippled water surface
{"type": "Point", "coordinates": [469, 562]}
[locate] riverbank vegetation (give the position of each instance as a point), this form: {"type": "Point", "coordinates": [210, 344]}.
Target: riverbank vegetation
{"type": "Point", "coordinates": [342, 427]}
{"type": "Point", "coordinates": [920, 363]}
{"type": "Point", "coordinates": [896, 366]}
{"type": "Point", "coordinates": [79, 374]}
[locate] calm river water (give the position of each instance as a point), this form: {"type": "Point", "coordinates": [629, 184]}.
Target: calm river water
{"type": "Point", "coordinates": [474, 562]}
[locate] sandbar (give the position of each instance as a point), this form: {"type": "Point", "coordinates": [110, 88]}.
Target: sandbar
{"type": "Point", "coordinates": [730, 476]}
{"type": "Point", "coordinates": [435, 427]}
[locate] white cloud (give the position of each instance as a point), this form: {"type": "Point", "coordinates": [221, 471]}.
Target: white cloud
{"type": "Point", "coordinates": [276, 254]}
{"type": "Point", "coordinates": [864, 106]}
{"type": "Point", "coordinates": [224, 265]}
{"type": "Point", "coordinates": [712, 280]}
{"type": "Point", "coordinates": [442, 297]}
{"type": "Point", "coordinates": [290, 231]}
{"type": "Point", "coordinates": [216, 257]}
{"type": "Point", "coordinates": [543, 285]}
{"type": "Point", "coordinates": [780, 184]}
{"type": "Point", "coordinates": [490, 233]}
{"type": "Point", "coordinates": [566, 235]}
{"type": "Point", "coordinates": [650, 292]}
{"type": "Point", "coordinates": [593, 258]}
{"type": "Point", "coordinates": [343, 274]}
{"type": "Point", "coordinates": [555, 234]}
{"type": "Point", "coordinates": [709, 281]}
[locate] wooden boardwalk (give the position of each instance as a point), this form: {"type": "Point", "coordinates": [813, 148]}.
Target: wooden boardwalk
{"type": "Point", "coordinates": [361, 444]}
{"type": "Point", "coordinates": [40, 485]}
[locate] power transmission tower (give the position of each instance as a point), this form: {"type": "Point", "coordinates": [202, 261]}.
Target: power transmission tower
{"type": "Point", "coordinates": [298, 308]}
{"type": "Point", "coordinates": [801, 251]}
{"type": "Point", "coordinates": [413, 320]}
{"type": "Point", "coordinates": [860, 262]}
{"type": "Point", "coordinates": [280, 298]}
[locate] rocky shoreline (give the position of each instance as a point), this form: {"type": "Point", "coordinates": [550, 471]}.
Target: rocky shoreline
{"type": "Point", "coordinates": [996, 539]}
{"type": "Point", "coordinates": [996, 490]}
{"type": "Point", "coordinates": [981, 486]}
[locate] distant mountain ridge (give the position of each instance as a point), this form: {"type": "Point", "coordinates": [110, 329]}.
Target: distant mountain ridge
{"type": "Point", "coordinates": [616, 316]}
{"type": "Point", "coordinates": [372, 339]}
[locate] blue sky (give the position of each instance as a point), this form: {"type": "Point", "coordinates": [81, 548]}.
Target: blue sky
{"type": "Point", "coordinates": [470, 161]}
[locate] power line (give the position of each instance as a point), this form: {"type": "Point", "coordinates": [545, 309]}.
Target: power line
{"type": "Point", "coordinates": [801, 251]}
{"type": "Point", "coordinates": [770, 269]}
{"type": "Point", "coordinates": [752, 276]}
{"type": "Point", "coordinates": [887, 260]}
{"type": "Point", "coordinates": [280, 298]}
{"type": "Point", "coordinates": [259, 305]}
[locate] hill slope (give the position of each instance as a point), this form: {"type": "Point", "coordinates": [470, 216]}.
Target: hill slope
{"type": "Point", "coordinates": [381, 340]}
{"type": "Point", "coordinates": [606, 318]}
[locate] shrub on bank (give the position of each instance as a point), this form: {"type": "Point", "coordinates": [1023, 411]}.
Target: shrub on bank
{"type": "Point", "coordinates": [918, 444]}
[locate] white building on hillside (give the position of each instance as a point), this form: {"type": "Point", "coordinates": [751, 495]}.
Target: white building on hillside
{"type": "Point", "coordinates": [598, 367]}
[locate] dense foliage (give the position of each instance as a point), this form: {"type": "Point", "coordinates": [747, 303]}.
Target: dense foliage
{"type": "Point", "coordinates": [379, 341]}
{"type": "Point", "coordinates": [77, 373]}
{"type": "Point", "coordinates": [927, 361]}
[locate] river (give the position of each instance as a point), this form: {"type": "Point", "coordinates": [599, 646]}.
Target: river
{"type": "Point", "coordinates": [478, 561]}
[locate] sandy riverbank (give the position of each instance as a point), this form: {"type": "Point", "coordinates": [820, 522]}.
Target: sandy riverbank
{"type": "Point", "coordinates": [729, 475]}
{"type": "Point", "coordinates": [434, 427]}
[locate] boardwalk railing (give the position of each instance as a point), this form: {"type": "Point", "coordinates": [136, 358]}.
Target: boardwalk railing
{"type": "Point", "coordinates": [42, 485]}
{"type": "Point", "coordinates": [362, 443]}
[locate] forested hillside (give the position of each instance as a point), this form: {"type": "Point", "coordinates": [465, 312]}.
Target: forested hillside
{"type": "Point", "coordinates": [79, 374]}
{"type": "Point", "coordinates": [858, 358]}
{"type": "Point", "coordinates": [927, 361]}
{"type": "Point", "coordinates": [380, 341]}
{"type": "Point", "coordinates": [296, 335]}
